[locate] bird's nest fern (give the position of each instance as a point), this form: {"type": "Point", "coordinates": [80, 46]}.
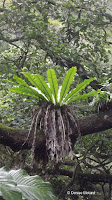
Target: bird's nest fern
{"type": "Point", "coordinates": [54, 117]}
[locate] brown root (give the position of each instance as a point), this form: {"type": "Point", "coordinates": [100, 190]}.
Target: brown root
{"type": "Point", "coordinates": [58, 124]}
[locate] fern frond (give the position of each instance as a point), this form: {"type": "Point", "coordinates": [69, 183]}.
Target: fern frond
{"type": "Point", "coordinates": [27, 91]}
{"type": "Point", "coordinates": [80, 87]}
{"type": "Point", "coordinates": [51, 92]}
{"type": "Point", "coordinates": [67, 82]}
{"type": "Point", "coordinates": [84, 96]}
{"type": "Point", "coordinates": [51, 76]}
{"type": "Point", "coordinates": [39, 83]}
{"type": "Point", "coordinates": [20, 81]}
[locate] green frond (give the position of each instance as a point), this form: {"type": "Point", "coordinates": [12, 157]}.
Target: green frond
{"type": "Point", "coordinates": [84, 96]}
{"type": "Point", "coordinates": [27, 91]}
{"type": "Point", "coordinates": [20, 81]}
{"type": "Point", "coordinates": [67, 82]}
{"type": "Point", "coordinates": [18, 185]}
{"type": "Point", "coordinates": [50, 91]}
{"type": "Point", "coordinates": [51, 76]}
{"type": "Point", "coordinates": [39, 83]}
{"type": "Point", "coordinates": [80, 87]}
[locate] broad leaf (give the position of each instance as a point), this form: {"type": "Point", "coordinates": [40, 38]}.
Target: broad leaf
{"type": "Point", "coordinates": [39, 83]}
{"type": "Point", "coordinates": [80, 87]}
{"type": "Point", "coordinates": [8, 192]}
{"type": "Point", "coordinates": [20, 81]}
{"type": "Point", "coordinates": [67, 82]}
{"type": "Point", "coordinates": [19, 185]}
{"type": "Point", "coordinates": [84, 96]}
{"type": "Point", "coordinates": [51, 76]}
{"type": "Point", "coordinates": [27, 91]}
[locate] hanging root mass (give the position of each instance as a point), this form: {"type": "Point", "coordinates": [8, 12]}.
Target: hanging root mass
{"type": "Point", "coordinates": [59, 126]}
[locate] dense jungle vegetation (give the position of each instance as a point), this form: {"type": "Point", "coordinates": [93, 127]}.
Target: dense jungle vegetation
{"type": "Point", "coordinates": [61, 136]}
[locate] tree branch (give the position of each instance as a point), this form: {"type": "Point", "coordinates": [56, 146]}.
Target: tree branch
{"type": "Point", "coordinates": [96, 122]}
{"type": "Point", "coordinates": [91, 124]}
{"type": "Point", "coordinates": [93, 178]}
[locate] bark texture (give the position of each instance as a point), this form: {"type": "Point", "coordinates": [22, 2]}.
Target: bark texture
{"type": "Point", "coordinates": [87, 177]}
{"type": "Point", "coordinates": [91, 124]}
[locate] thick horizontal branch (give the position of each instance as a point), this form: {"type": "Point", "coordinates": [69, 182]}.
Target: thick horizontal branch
{"type": "Point", "coordinates": [96, 122]}
{"type": "Point", "coordinates": [91, 124]}
{"type": "Point", "coordinates": [87, 177]}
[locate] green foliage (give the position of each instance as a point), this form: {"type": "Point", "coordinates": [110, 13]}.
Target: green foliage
{"type": "Point", "coordinates": [75, 91]}
{"type": "Point", "coordinates": [67, 82]}
{"type": "Point", "coordinates": [39, 83]}
{"type": "Point", "coordinates": [50, 93]}
{"type": "Point", "coordinates": [101, 100]}
{"type": "Point", "coordinates": [84, 96]}
{"type": "Point", "coordinates": [41, 34]}
{"type": "Point", "coordinates": [51, 76]}
{"type": "Point", "coordinates": [17, 184]}
{"type": "Point", "coordinates": [27, 91]}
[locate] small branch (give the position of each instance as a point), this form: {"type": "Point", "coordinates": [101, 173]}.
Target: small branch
{"type": "Point", "coordinates": [74, 177]}
{"type": "Point", "coordinates": [4, 3]}
{"type": "Point", "coordinates": [110, 191]}
{"type": "Point", "coordinates": [103, 190]}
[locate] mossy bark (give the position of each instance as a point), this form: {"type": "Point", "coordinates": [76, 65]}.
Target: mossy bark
{"type": "Point", "coordinates": [14, 138]}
